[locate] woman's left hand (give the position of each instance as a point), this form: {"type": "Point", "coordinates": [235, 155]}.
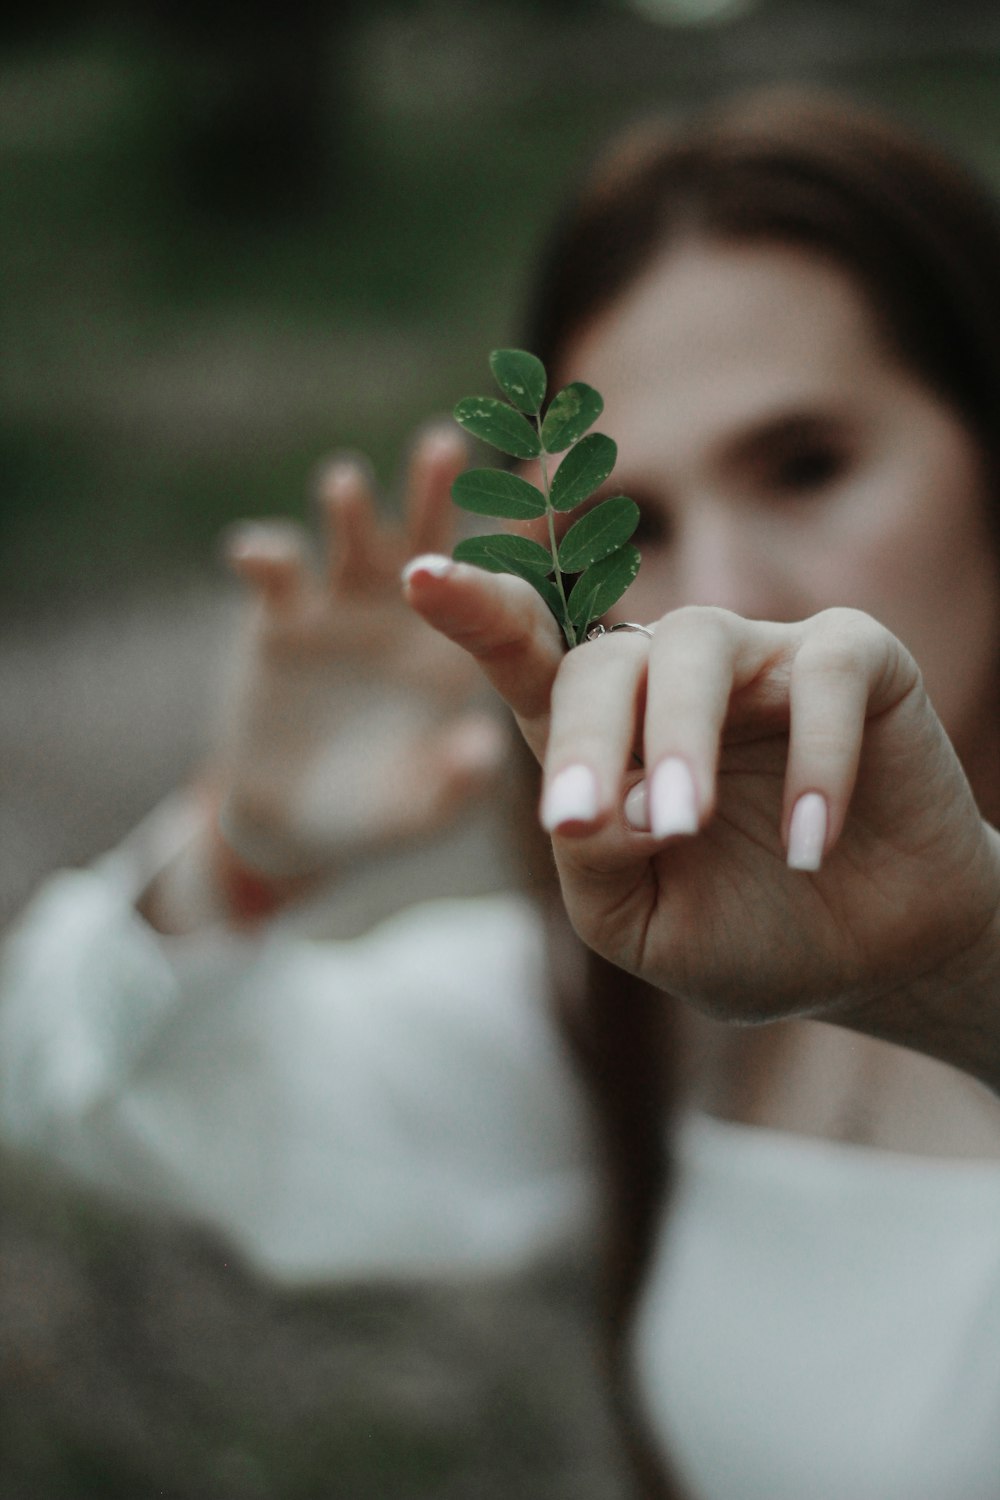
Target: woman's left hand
{"type": "Point", "coordinates": [815, 847]}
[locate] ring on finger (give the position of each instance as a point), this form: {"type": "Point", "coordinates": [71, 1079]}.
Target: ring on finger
{"type": "Point", "coordinates": [596, 631]}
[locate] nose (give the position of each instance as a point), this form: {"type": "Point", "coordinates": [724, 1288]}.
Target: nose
{"type": "Point", "coordinates": [732, 561]}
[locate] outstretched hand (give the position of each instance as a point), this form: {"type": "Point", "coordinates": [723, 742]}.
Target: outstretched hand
{"type": "Point", "coordinates": [350, 725]}
{"type": "Point", "coordinates": [764, 819]}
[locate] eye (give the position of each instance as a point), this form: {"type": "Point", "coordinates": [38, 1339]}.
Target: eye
{"type": "Point", "coordinates": [808, 468]}
{"type": "Point", "coordinates": [655, 527]}
{"type": "Point", "coordinates": [797, 454]}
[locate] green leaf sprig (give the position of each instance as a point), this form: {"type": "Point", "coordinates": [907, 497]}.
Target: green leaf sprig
{"type": "Point", "coordinates": [582, 576]}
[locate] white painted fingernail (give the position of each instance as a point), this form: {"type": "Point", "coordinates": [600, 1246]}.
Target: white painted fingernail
{"type": "Point", "coordinates": [807, 832]}
{"type": "Point", "coordinates": [570, 797]}
{"type": "Point", "coordinates": [434, 563]}
{"type": "Point", "coordinates": [673, 807]}
{"type": "Point", "coordinates": [636, 808]}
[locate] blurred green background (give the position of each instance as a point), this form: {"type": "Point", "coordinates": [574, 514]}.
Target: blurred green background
{"type": "Point", "coordinates": [235, 238]}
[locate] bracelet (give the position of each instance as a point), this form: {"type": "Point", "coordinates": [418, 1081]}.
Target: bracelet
{"type": "Point", "coordinates": [248, 893]}
{"type": "Point", "coordinates": [249, 897]}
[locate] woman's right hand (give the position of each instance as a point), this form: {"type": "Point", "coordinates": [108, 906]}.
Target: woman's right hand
{"type": "Point", "coordinates": [764, 819]}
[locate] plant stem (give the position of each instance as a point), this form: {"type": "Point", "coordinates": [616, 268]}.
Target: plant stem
{"type": "Point", "coordinates": [567, 624]}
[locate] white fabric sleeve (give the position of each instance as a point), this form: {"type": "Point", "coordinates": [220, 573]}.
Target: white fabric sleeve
{"type": "Point", "coordinates": [393, 1105]}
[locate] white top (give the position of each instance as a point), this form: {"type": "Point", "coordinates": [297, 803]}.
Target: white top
{"type": "Point", "coordinates": [822, 1321]}
{"type": "Point", "coordinates": [393, 1105]}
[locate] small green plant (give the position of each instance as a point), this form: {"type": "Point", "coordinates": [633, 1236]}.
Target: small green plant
{"type": "Point", "coordinates": [583, 575]}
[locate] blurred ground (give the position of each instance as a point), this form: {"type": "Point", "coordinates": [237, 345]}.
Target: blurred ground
{"type": "Point", "coordinates": [138, 1360]}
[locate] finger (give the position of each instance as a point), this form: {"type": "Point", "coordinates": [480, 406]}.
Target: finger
{"type": "Point", "coordinates": [502, 623]}
{"type": "Point", "coordinates": [692, 668]}
{"type": "Point", "coordinates": [439, 456]}
{"type": "Point", "coordinates": [844, 657]}
{"type": "Point", "coordinates": [272, 558]}
{"type": "Point", "coordinates": [467, 757]}
{"type": "Point", "coordinates": [344, 491]}
{"type": "Point", "coordinates": [595, 703]}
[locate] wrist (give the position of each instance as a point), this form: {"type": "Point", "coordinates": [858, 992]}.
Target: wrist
{"type": "Point", "coordinates": [209, 882]}
{"type": "Point", "coordinates": [952, 1012]}
{"type": "Point", "coordinates": [248, 894]}
{"type": "Point", "coordinates": [254, 880]}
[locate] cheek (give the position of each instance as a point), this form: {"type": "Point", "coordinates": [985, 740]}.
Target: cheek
{"type": "Point", "coordinates": [944, 604]}
{"type": "Point", "coordinates": [931, 574]}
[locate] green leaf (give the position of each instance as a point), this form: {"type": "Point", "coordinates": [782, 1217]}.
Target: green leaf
{"type": "Point", "coordinates": [583, 470]}
{"type": "Point", "coordinates": [498, 424]}
{"type": "Point", "coordinates": [496, 492]}
{"type": "Point", "coordinates": [521, 377]}
{"type": "Point", "coordinates": [601, 586]}
{"type": "Point", "coordinates": [550, 594]}
{"type": "Point", "coordinates": [570, 413]}
{"type": "Point", "coordinates": [525, 559]}
{"type": "Point", "coordinates": [505, 553]}
{"type": "Point", "coordinates": [596, 548]}
{"type": "Point", "coordinates": [600, 532]}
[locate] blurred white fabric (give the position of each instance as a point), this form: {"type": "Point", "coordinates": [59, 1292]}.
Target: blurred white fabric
{"type": "Point", "coordinates": [821, 1319]}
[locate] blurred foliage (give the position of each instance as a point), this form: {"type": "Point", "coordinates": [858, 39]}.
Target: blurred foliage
{"type": "Point", "coordinates": [230, 236]}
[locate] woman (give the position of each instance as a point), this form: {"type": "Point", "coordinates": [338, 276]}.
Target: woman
{"type": "Point", "coordinates": [791, 313]}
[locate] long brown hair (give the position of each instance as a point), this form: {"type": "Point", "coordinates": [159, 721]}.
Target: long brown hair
{"type": "Point", "coordinates": [619, 1032]}
{"type": "Point", "coordinates": [921, 240]}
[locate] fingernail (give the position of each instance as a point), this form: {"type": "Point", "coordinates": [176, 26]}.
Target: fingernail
{"type": "Point", "coordinates": [442, 436]}
{"type": "Point", "coordinates": [673, 807]}
{"type": "Point", "coordinates": [339, 470]}
{"type": "Point", "coordinates": [434, 563]}
{"type": "Point", "coordinates": [636, 808]}
{"type": "Point", "coordinates": [570, 797]}
{"type": "Point", "coordinates": [807, 832]}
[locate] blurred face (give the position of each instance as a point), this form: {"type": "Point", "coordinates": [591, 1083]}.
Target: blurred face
{"type": "Point", "coordinates": [785, 461]}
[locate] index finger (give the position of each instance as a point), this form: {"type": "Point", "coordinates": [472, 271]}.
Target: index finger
{"type": "Point", "coordinates": [439, 456]}
{"type": "Point", "coordinates": [345, 494]}
{"type": "Point", "coordinates": [503, 623]}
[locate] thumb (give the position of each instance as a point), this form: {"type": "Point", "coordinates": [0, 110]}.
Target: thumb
{"type": "Point", "coordinates": [467, 757]}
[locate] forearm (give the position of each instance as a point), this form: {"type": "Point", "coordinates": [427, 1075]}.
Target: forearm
{"type": "Point", "coordinates": [207, 883]}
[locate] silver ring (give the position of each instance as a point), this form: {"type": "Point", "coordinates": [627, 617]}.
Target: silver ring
{"type": "Point", "coordinates": [596, 631]}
